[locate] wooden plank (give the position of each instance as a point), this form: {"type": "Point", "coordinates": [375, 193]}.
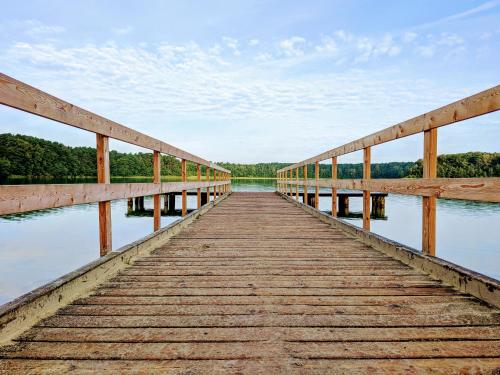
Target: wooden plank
{"type": "Point", "coordinates": [207, 179]}
{"type": "Point", "coordinates": [269, 320]}
{"type": "Point", "coordinates": [23, 198]}
{"type": "Point", "coordinates": [434, 366]}
{"type": "Point", "coordinates": [184, 179]}
{"type": "Point", "coordinates": [239, 285]}
{"type": "Point", "coordinates": [103, 177]}
{"type": "Point", "coordinates": [297, 334]}
{"type": "Point", "coordinates": [21, 96]}
{"type": "Point", "coordinates": [316, 190]}
{"type": "Point", "coordinates": [215, 187]}
{"type": "Point", "coordinates": [198, 191]}
{"type": "Point", "coordinates": [429, 203]}
{"type": "Point", "coordinates": [475, 105]}
{"type": "Point", "coordinates": [334, 190]}
{"type": "Point", "coordinates": [305, 184]}
{"type": "Point", "coordinates": [366, 193]}
{"type": "Point", "coordinates": [486, 189]}
{"type": "Point", "coordinates": [156, 197]}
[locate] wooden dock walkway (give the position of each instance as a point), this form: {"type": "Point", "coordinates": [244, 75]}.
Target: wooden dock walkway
{"type": "Point", "coordinates": [258, 285]}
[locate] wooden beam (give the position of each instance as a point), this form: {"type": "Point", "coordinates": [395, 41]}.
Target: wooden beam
{"type": "Point", "coordinates": [21, 96]}
{"type": "Point", "coordinates": [305, 184]}
{"type": "Point", "coordinates": [316, 191]}
{"type": "Point", "coordinates": [366, 193]}
{"type": "Point", "coordinates": [215, 187]}
{"type": "Point", "coordinates": [334, 190]}
{"type": "Point", "coordinates": [476, 105]}
{"type": "Point", "coordinates": [103, 177]}
{"type": "Point", "coordinates": [156, 197]}
{"type": "Point", "coordinates": [484, 189]}
{"type": "Point", "coordinates": [429, 203]}
{"type": "Point", "coordinates": [198, 195]}
{"type": "Point", "coordinates": [24, 198]}
{"type": "Point", "coordinates": [297, 183]}
{"type": "Point", "coordinates": [184, 179]}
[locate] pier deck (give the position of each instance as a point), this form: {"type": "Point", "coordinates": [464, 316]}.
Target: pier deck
{"type": "Point", "coordinates": [258, 285]}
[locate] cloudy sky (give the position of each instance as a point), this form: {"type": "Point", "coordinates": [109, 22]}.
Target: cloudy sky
{"type": "Point", "coordinates": [252, 81]}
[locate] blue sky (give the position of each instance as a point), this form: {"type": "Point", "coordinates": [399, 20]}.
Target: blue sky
{"type": "Point", "coordinates": [253, 81]}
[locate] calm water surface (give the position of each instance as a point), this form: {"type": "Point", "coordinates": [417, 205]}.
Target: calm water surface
{"type": "Point", "coordinates": [38, 247]}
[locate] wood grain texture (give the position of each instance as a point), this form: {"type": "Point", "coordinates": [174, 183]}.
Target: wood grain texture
{"type": "Point", "coordinates": [156, 197]}
{"type": "Point", "coordinates": [184, 191]}
{"type": "Point", "coordinates": [23, 198]}
{"type": "Point", "coordinates": [485, 189]}
{"type": "Point", "coordinates": [429, 203]}
{"type": "Point", "coordinates": [366, 193]}
{"type": "Point", "coordinates": [104, 177]}
{"type": "Point", "coordinates": [334, 189]}
{"type": "Point", "coordinates": [19, 95]}
{"type": "Point", "coordinates": [475, 105]}
{"type": "Point", "coordinates": [257, 285]}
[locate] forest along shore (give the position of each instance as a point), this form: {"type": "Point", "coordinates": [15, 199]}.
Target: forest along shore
{"type": "Point", "coordinates": [31, 157]}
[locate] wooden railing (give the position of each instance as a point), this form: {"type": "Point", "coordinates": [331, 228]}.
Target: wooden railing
{"type": "Point", "coordinates": [429, 187]}
{"type": "Point", "coordinates": [22, 198]}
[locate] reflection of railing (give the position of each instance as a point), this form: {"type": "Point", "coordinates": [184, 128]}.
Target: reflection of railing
{"type": "Point", "coordinates": [22, 198]}
{"type": "Point", "coordinates": [429, 187]}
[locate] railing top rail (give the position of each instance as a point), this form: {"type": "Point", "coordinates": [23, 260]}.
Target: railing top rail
{"type": "Point", "coordinates": [476, 105]}
{"type": "Point", "coordinates": [19, 95]}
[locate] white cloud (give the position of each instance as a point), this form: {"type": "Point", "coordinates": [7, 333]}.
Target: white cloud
{"type": "Point", "coordinates": [36, 28]}
{"type": "Point", "coordinates": [253, 42]}
{"type": "Point", "coordinates": [409, 36]}
{"type": "Point", "coordinates": [123, 30]}
{"type": "Point", "coordinates": [291, 46]}
{"type": "Point", "coordinates": [232, 44]}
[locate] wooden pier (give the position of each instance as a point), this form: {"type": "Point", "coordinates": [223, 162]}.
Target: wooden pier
{"type": "Point", "coordinates": [257, 285]}
{"type": "Point", "coordinates": [254, 283]}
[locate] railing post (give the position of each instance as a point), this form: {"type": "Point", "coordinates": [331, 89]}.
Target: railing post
{"type": "Point", "coordinates": [297, 184]}
{"type": "Point", "coordinates": [103, 177]}
{"type": "Point", "coordinates": [429, 203]}
{"type": "Point", "coordinates": [207, 178]}
{"type": "Point", "coordinates": [366, 193]}
{"type": "Point", "coordinates": [305, 185]}
{"type": "Point", "coordinates": [334, 189]}
{"type": "Point", "coordinates": [198, 170]}
{"type": "Point", "coordinates": [316, 192]}
{"type": "Point", "coordinates": [215, 180]}
{"type": "Point", "coordinates": [156, 197]}
{"type": "Point", "coordinates": [290, 186]}
{"type": "Point", "coordinates": [184, 191]}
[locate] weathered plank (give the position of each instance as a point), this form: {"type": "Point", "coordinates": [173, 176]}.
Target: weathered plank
{"type": "Point", "coordinates": [239, 291]}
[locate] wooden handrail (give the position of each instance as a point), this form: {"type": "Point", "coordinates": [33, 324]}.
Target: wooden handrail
{"type": "Point", "coordinates": [23, 198]}
{"type": "Point", "coordinates": [476, 105]}
{"type": "Point", "coordinates": [429, 187]}
{"type": "Point", "coordinates": [21, 96]}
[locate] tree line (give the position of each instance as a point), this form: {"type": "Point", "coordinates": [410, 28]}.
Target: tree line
{"type": "Point", "coordinates": [32, 157]}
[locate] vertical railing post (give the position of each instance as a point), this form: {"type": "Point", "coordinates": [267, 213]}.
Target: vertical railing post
{"type": "Point", "coordinates": [429, 203]}
{"type": "Point", "coordinates": [156, 197]}
{"type": "Point", "coordinates": [297, 184]}
{"type": "Point", "coordinates": [366, 193]}
{"type": "Point", "coordinates": [334, 189]}
{"type": "Point", "coordinates": [305, 200]}
{"type": "Point", "coordinates": [290, 186]}
{"type": "Point", "coordinates": [207, 178]}
{"type": "Point", "coordinates": [215, 180]}
{"type": "Point", "coordinates": [103, 177]}
{"type": "Point", "coordinates": [184, 191]}
{"type": "Point", "coordinates": [316, 192]}
{"type": "Point", "coordinates": [198, 195]}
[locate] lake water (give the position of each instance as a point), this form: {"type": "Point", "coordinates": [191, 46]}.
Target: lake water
{"type": "Point", "coordinates": [38, 247]}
